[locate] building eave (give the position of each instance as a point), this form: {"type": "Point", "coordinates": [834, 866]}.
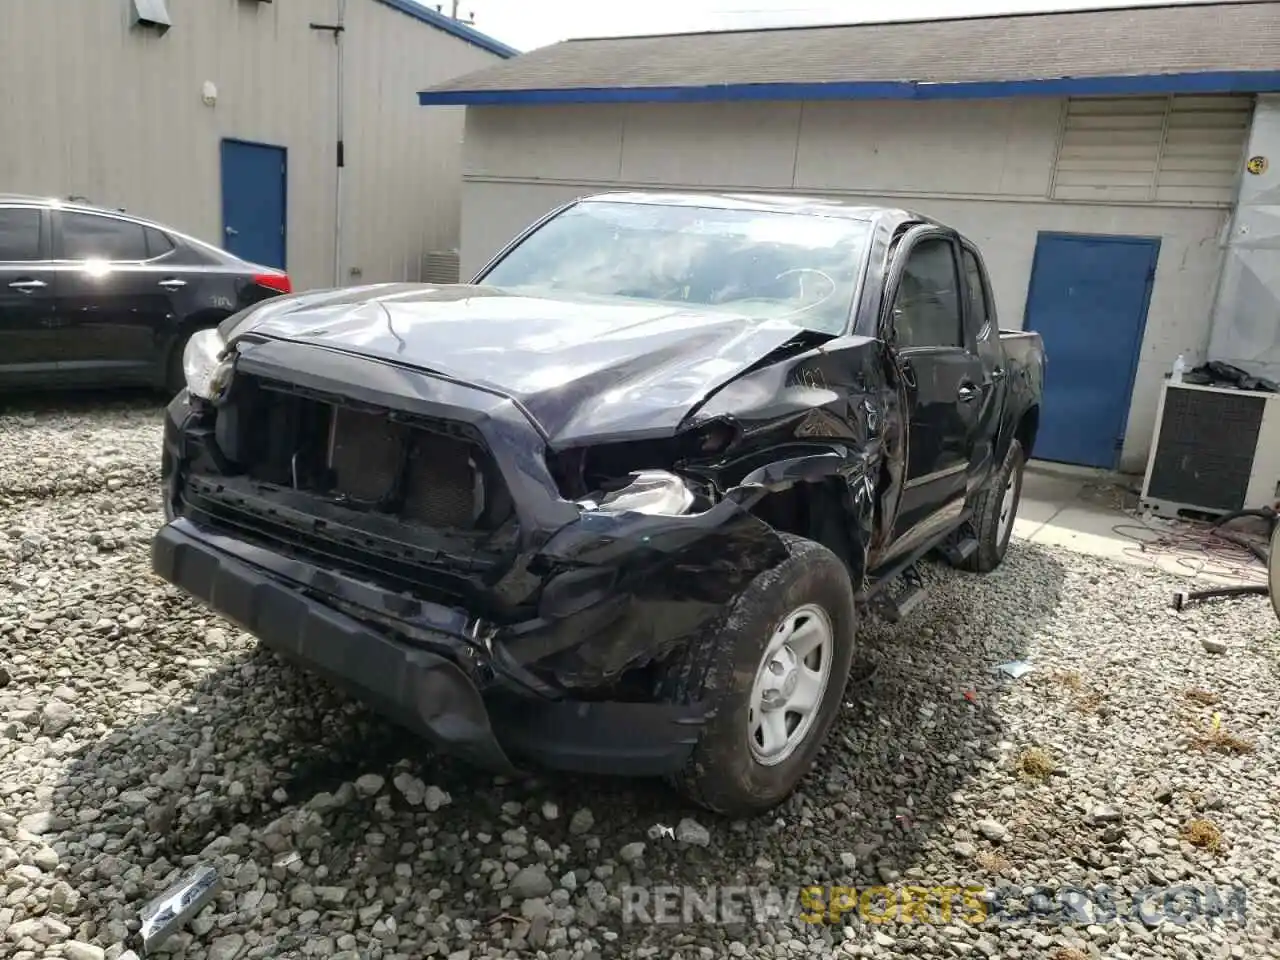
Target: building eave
{"type": "Point", "coordinates": [447, 24]}
{"type": "Point", "coordinates": [1259, 81]}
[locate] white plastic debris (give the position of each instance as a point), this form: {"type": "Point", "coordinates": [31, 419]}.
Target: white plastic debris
{"type": "Point", "coordinates": [1015, 668]}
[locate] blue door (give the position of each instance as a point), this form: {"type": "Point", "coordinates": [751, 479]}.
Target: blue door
{"type": "Point", "coordinates": [1088, 300]}
{"type": "Point", "coordinates": [254, 177]}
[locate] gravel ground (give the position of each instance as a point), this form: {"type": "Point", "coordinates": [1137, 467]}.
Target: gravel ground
{"type": "Point", "coordinates": [139, 735]}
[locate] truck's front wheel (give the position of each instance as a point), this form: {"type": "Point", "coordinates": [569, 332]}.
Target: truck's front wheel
{"type": "Point", "coordinates": [996, 509]}
{"type": "Point", "coordinates": [775, 674]}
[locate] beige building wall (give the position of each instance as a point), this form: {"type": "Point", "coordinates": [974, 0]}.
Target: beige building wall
{"type": "Point", "coordinates": [93, 106]}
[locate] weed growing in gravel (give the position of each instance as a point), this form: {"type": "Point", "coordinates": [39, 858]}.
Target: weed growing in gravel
{"type": "Point", "coordinates": [1069, 679]}
{"type": "Point", "coordinates": [991, 861]}
{"type": "Point", "coordinates": [1203, 834]}
{"type": "Point", "coordinates": [1086, 701]}
{"type": "Point", "coordinates": [1089, 702]}
{"type": "Point", "coordinates": [1205, 698]}
{"type": "Point", "coordinates": [1218, 738]}
{"type": "Point", "coordinates": [1036, 764]}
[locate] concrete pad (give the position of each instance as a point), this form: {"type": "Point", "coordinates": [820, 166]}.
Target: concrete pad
{"type": "Point", "coordinates": [1087, 530]}
{"type": "Point", "coordinates": [1085, 511]}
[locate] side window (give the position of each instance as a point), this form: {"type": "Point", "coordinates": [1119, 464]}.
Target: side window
{"type": "Point", "coordinates": [86, 236]}
{"type": "Point", "coordinates": [158, 243]}
{"type": "Point", "coordinates": [19, 234]}
{"type": "Point", "coordinates": [926, 311]}
{"type": "Point", "coordinates": [979, 313]}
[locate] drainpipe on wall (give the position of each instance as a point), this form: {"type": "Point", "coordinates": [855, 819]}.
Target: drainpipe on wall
{"type": "Point", "coordinates": [341, 151]}
{"type": "Point", "coordinates": [337, 29]}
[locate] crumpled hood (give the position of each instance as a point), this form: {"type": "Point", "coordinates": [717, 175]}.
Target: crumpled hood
{"type": "Point", "coordinates": [584, 369]}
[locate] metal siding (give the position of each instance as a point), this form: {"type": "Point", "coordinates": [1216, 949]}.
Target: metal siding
{"type": "Point", "coordinates": [404, 162]}
{"type": "Point", "coordinates": [1179, 149]}
{"type": "Point", "coordinates": [117, 116]}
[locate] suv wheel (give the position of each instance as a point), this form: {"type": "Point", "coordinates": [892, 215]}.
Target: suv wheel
{"type": "Point", "coordinates": [774, 674]}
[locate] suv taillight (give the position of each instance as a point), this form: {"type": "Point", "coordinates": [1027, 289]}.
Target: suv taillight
{"type": "Point", "coordinates": [279, 282]}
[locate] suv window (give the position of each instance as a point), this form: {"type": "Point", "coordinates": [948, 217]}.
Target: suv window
{"type": "Point", "coordinates": [19, 234]}
{"type": "Point", "coordinates": [978, 311]}
{"type": "Point", "coordinates": [926, 310]}
{"type": "Point", "coordinates": [86, 236]}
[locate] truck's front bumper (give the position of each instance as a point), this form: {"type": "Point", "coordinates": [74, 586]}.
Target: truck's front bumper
{"type": "Point", "coordinates": [424, 690]}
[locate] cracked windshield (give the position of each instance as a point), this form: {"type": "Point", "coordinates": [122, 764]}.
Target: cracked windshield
{"type": "Point", "coordinates": [796, 267]}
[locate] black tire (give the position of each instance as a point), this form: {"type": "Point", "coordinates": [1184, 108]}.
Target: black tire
{"type": "Point", "coordinates": [993, 542]}
{"type": "Point", "coordinates": [723, 775]}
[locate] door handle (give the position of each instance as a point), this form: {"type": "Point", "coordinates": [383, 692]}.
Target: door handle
{"type": "Point", "coordinates": [997, 374]}
{"type": "Point", "coordinates": [908, 375]}
{"type": "Point", "coordinates": [967, 392]}
{"type": "Point", "coordinates": [232, 232]}
{"type": "Point", "coordinates": [27, 286]}
{"type": "Point", "coordinates": [172, 284]}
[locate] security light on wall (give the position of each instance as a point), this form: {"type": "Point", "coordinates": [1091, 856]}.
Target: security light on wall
{"type": "Point", "coordinates": [153, 14]}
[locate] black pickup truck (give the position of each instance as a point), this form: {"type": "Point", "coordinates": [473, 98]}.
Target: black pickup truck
{"type": "Point", "coordinates": [618, 505]}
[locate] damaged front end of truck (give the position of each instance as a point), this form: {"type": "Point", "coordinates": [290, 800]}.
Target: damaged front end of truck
{"type": "Point", "coordinates": [421, 540]}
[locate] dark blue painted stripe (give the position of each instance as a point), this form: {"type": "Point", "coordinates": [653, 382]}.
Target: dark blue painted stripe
{"type": "Point", "coordinates": [1259, 81]}
{"type": "Point", "coordinates": [452, 26]}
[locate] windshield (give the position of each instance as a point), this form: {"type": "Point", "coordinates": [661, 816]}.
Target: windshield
{"type": "Point", "coordinates": [794, 266]}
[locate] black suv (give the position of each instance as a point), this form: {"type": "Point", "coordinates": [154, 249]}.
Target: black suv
{"type": "Point", "coordinates": [93, 298]}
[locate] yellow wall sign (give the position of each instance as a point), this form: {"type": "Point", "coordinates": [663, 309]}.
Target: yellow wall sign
{"type": "Point", "coordinates": [1256, 165]}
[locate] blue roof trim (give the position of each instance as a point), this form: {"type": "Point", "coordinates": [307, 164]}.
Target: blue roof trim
{"type": "Point", "coordinates": [449, 25]}
{"type": "Point", "coordinates": [1261, 81]}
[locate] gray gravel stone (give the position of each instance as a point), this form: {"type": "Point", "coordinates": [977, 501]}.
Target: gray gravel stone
{"type": "Point", "coordinates": [531, 882]}
{"type": "Point", "coordinates": [992, 830]}
{"type": "Point", "coordinates": [690, 831]}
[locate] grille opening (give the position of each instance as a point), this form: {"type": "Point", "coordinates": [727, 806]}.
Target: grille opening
{"type": "Point", "coordinates": [371, 460]}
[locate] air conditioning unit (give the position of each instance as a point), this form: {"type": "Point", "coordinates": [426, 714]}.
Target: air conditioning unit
{"type": "Point", "coordinates": [1215, 450]}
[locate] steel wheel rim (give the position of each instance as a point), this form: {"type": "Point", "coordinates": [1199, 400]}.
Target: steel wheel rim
{"type": "Point", "coordinates": [790, 684]}
{"type": "Point", "coordinates": [1009, 505]}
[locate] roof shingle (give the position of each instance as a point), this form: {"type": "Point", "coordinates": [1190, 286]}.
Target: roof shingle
{"type": "Point", "coordinates": [1213, 38]}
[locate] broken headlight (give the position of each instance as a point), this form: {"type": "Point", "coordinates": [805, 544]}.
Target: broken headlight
{"type": "Point", "coordinates": [654, 492]}
{"type": "Point", "coordinates": [204, 364]}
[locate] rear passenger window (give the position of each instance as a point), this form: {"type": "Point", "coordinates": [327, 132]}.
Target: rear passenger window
{"type": "Point", "coordinates": [19, 234]}
{"type": "Point", "coordinates": [926, 311]}
{"type": "Point", "coordinates": [86, 236]}
{"type": "Point", "coordinates": [979, 312]}
{"type": "Point", "coordinates": [158, 244]}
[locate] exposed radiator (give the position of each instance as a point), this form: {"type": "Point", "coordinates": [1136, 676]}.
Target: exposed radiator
{"type": "Point", "coordinates": [1215, 450]}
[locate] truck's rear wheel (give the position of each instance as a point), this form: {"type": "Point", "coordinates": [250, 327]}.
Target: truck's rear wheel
{"type": "Point", "coordinates": [775, 674]}
{"type": "Point", "coordinates": [995, 510]}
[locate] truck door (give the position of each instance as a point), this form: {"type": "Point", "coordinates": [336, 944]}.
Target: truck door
{"type": "Point", "coordinates": [943, 385]}
{"type": "Point", "coordinates": [982, 333]}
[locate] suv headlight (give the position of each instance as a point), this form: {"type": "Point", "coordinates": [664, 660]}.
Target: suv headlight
{"type": "Point", "coordinates": [205, 365]}
{"type": "Point", "coordinates": [654, 492]}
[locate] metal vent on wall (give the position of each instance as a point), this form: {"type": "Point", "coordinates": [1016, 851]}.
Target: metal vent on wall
{"type": "Point", "coordinates": [1205, 448]}
{"type": "Point", "coordinates": [1170, 149]}
{"type": "Point", "coordinates": [152, 13]}
{"type": "Point", "coordinates": [441, 266]}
